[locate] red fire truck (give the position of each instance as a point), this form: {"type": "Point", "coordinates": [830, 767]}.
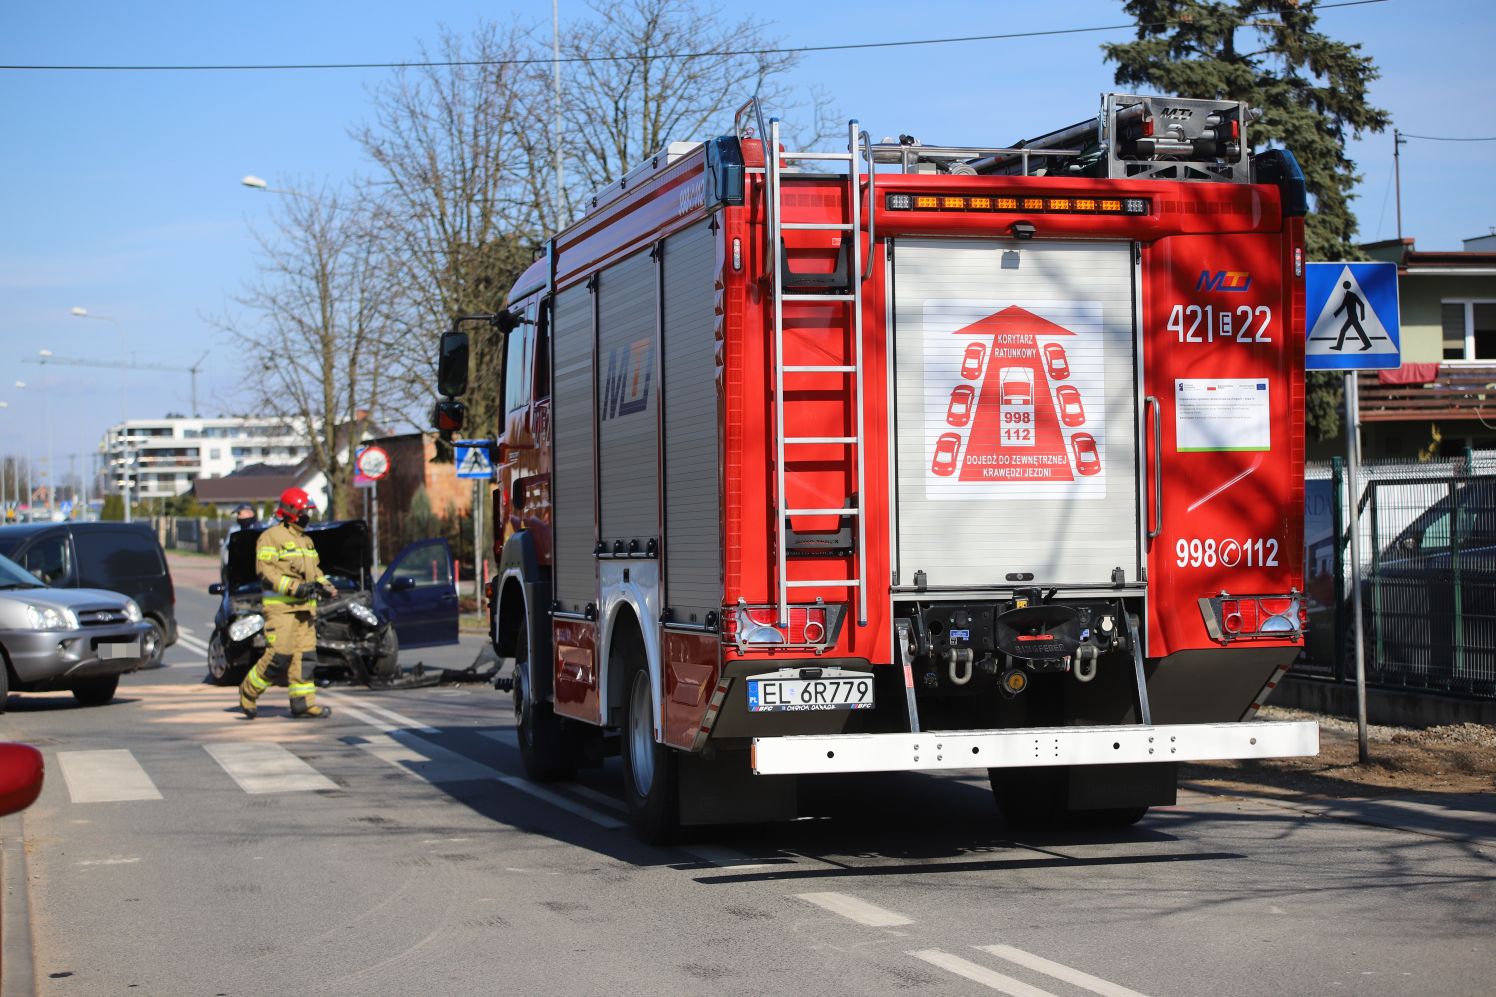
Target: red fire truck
{"type": "Point", "coordinates": [908, 457]}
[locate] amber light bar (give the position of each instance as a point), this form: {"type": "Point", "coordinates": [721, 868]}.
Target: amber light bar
{"type": "Point", "coordinates": [1029, 205]}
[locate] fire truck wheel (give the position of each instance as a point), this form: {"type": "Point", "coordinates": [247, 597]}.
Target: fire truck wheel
{"type": "Point", "coordinates": [649, 770]}
{"type": "Point", "coordinates": [545, 746]}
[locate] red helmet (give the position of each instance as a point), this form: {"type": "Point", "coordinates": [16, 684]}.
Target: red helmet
{"type": "Point", "coordinates": [295, 504]}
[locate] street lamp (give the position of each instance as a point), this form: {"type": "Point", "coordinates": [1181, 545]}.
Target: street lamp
{"type": "Point", "coordinates": [30, 472]}
{"type": "Point", "coordinates": [47, 422]}
{"type": "Point", "coordinates": [3, 405]}
{"type": "Point", "coordinates": [123, 405]}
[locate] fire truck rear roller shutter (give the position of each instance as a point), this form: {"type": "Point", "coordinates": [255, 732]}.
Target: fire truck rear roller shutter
{"type": "Point", "coordinates": [693, 540]}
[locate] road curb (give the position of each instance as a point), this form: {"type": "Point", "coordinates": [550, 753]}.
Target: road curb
{"type": "Point", "coordinates": [17, 962]}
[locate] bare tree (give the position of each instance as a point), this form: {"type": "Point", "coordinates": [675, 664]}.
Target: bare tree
{"type": "Point", "coordinates": [316, 318]}
{"type": "Point", "coordinates": [649, 72]}
{"type": "Point", "coordinates": [456, 197]}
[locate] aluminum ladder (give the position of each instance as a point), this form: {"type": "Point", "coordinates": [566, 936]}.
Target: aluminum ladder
{"type": "Point", "coordinates": [850, 298]}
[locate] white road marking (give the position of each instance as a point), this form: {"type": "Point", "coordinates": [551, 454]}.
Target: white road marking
{"type": "Point", "coordinates": [405, 722]}
{"type": "Point", "coordinates": [726, 858]}
{"type": "Point", "coordinates": [1059, 971]}
{"type": "Point", "coordinates": [426, 761]}
{"type": "Point", "coordinates": [856, 910]}
{"type": "Point", "coordinates": [105, 776]}
{"type": "Point", "coordinates": [192, 643]}
{"type": "Point", "coordinates": [130, 861]}
{"type": "Point", "coordinates": [264, 767]}
{"type": "Point", "coordinates": [436, 764]}
{"type": "Point", "coordinates": [366, 718]}
{"type": "Point", "coordinates": [557, 800]}
{"type": "Point", "coordinates": [979, 974]}
{"type": "Point", "coordinates": [601, 799]}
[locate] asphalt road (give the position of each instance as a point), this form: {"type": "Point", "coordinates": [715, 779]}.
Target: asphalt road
{"type": "Point", "coordinates": [178, 849]}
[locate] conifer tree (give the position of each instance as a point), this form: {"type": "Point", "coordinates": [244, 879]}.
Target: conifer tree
{"type": "Point", "coordinates": [1310, 89]}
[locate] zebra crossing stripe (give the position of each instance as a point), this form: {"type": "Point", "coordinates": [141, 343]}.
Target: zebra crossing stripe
{"type": "Point", "coordinates": [266, 767]}
{"type": "Point", "coordinates": [108, 776]}
{"type": "Point", "coordinates": [1059, 971]}
{"type": "Point", "coordinates": [979, 974]}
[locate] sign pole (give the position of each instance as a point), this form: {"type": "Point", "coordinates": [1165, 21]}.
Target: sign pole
{"type": "Point", "coordinates": [477, 538]}
{"type": "Point", "coordinates": [1353, 466]}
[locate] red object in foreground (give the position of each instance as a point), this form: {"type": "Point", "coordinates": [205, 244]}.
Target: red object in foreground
{"type": "Point", "coordinates": [21, 772]}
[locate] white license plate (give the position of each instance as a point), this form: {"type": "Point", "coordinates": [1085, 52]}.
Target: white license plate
{"type": "Point", "coordinates": [790, 693]}
{"type": "Point", "coordinates": [111, 650]}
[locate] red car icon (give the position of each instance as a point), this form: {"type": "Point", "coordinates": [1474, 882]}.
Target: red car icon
{"type": "Point", "coordinates": [971, 363]}
{"type": "Point", "coordinates": [1055, 359]}
{"type": "Point", "coordinates": [1087, 457]}
{"type": "Point", "coordinates": [962, 399]}
{"type": "Point", "coordinates": [946, 448]}
{"type": "Point", "coordinates": [1017, 385]}
{"type": "Point", "coordinates": [1072, 413]}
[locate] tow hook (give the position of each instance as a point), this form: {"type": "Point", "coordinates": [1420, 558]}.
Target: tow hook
{"type": "Point", "coordinates": [1086, 657]}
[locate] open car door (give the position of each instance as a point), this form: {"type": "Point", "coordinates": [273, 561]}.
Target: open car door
{"type": "Point", "coordinates": [416, 593]}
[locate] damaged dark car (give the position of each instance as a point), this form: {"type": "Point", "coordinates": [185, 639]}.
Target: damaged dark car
{"type": "Point", "coordinates": [359, 633]}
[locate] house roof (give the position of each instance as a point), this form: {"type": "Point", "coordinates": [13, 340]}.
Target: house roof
{"type": "Point", "coordinates": [1412, 261]}
{"type": "Point", "coordinates": [253, 483]}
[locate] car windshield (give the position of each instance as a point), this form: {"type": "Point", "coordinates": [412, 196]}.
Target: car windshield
{"type": "Point", "coordinates": [13, 576]}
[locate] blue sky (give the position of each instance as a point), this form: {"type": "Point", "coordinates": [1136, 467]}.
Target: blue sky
{"type": "Point", "coordinates": [120, 192]}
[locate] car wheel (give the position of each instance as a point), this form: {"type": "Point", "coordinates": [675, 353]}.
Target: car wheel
{"type": "Point", "coordinates": [153, 644]}
{"type": "Point", "coordinates": [95, 691]}
{"type": "Point", "coordinates": [650, 785]}
{"type": "Point", "coordinates": [4, 682]}
{"type": "Point", "coordinates": [386, 663]}
{"type": "Point", "coordinates": [220, 671]}
{"type": "Point", "coordinates": [545, 745]}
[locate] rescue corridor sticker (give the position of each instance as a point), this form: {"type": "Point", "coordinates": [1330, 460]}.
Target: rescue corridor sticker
{"type": "Point", "coordinates": [1014, 400]}
{"type": "Point", "coordinates": [1212, 414]}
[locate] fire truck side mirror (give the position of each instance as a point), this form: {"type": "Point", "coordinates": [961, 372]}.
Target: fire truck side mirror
{"type": "Point", "coordinates": [452, 363]}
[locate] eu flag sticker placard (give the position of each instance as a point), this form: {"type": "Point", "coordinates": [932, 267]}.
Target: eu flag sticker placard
{"type": "Point", "coordinates": [1352, 312]}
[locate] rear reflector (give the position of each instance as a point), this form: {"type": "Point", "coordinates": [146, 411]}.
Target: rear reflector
{"type": "Point", "coordinates": [1254, 617]}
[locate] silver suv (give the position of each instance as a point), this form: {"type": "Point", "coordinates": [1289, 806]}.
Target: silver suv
{"type": "Point", "coordinates": [77, 639]}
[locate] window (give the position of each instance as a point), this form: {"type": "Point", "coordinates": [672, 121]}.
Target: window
{"type": "Point", "coordinates": [1469, 329]}
{"type": "Point", "coordinates": [427, 565]}
{"type": "Point", "coordinates": [516, 370]}
{"type": "Point", "coordinates": [106, 557]}
{"type": "Point", "coordinates": [543, 352]}
{"type": "Point", "coordinates": [50, 559]}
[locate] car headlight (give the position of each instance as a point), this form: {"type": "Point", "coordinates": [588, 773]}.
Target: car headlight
{"type": "Point", "coordinates": [246, 627]}
{"type": "Point", "coordinates": [132, 611]}
{"type": "Point", "coordinates": [364, 614]}
{"type": "Point", "coordinates": [48, 618]}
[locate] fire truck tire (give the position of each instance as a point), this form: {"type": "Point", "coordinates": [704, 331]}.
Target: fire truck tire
{"type": "Point", "coordinates": [545, 746]}
{"type": "Point", "coordinates": [650, 776]}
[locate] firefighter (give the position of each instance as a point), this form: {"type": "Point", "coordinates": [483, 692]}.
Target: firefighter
{"type": "Point", "coordinates": [289, 573]}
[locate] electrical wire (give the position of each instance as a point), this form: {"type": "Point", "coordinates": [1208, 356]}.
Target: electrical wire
{"type": "Point", "coordinates": [788, 50]}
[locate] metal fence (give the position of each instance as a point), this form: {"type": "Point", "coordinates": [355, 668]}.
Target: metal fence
{"type": "Point", "coordinates": [1428, 575]}
{"type": "Point", "coordinates": [205, 536]}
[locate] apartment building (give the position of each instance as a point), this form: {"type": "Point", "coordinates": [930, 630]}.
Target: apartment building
{"type": "Point", "coordinates": [166, 456]}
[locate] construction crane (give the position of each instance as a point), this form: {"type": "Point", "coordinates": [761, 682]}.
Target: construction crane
{"type": "Point", "coordinates": [46, 357]}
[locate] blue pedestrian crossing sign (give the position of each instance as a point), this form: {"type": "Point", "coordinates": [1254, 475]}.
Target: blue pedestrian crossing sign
{"type": "Point", "coordinates": [1351, 311]}
{"type": "Point", "coordinates": [472, 460]}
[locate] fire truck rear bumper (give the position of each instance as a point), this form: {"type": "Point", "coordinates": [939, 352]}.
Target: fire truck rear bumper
{"type": "Point", "coordinates": [1031, 747]}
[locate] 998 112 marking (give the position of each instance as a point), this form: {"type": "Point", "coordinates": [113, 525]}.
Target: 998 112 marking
{"type": "Point", "coordinates": [1255, 552]}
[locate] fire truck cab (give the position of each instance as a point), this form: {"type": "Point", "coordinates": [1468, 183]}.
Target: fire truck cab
{"type": "Point", "coordinates": [744, 540]}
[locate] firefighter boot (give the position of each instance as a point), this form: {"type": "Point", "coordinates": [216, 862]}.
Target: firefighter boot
{"type": "Point", "coordinates": [303, 690]}
{"type": "Point", "coordinates": [266, 672]}
{"type": "Point", "coordinates": [303, 702]}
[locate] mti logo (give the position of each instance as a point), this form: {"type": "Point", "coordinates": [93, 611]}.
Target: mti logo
{"type": "Point", "coordinates": [1223, 280]}
{"type": "Point", "coordinates": [626, 387]}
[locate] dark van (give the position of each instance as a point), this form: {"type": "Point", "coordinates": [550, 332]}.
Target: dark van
{"type": "Point", "coordinates": [119, 557]}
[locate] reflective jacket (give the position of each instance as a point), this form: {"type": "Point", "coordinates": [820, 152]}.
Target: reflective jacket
{"type": "Point", "coordinates": [286, 557]}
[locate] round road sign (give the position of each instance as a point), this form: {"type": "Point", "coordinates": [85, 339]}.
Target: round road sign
{"type": "Point", "coordinates": [373, 463]}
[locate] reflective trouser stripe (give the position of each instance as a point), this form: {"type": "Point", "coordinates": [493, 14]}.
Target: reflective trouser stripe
{"type": "Point", "coordinates": [256, 682]}
{"type": "Point", "coordinates": [302, 689]}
